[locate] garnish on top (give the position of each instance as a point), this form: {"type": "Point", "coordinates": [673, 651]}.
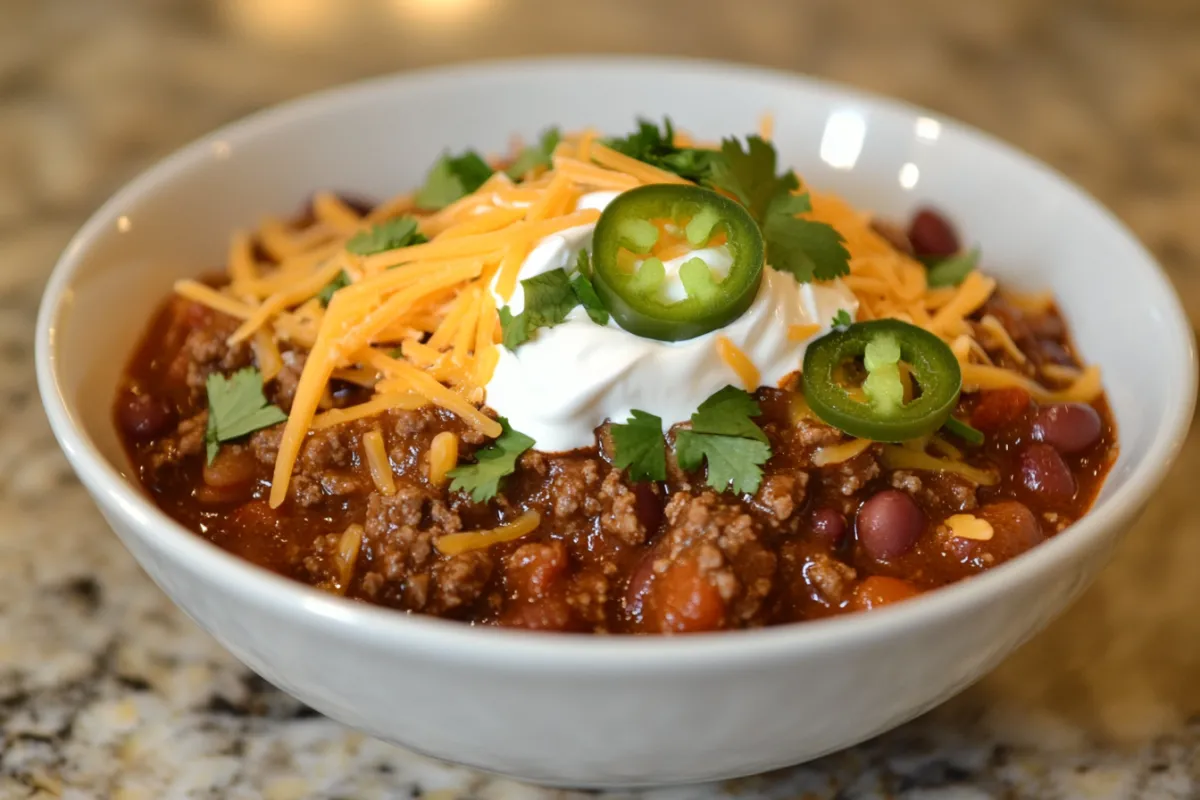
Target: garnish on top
{"type": "Point", "coordinates": [414, 278]}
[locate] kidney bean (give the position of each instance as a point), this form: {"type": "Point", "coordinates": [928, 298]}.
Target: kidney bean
{"type": "Point", "coordinates": [144, 416]}
{"type": "Point", "coordinates": [533, 568]}
{"type": "Point", "coordinates": [932, 234]}
{"type": "Point", "coordinates": [889, 524]}
{"type": "Point", "coordinates": [1067, 427]}
{"type": "Point", "coordinates": [998, 408]}
{"type": "Point", "coordinates": [829, 526]}
{"type": "Point", "coordinates": [1014, 530]}
{"type": "Point", "coordinates": [1045, 474]}
{"type": "Point", "coordinates": [648, 506]}
{"type": "Point", "coordinates": [880, 590]}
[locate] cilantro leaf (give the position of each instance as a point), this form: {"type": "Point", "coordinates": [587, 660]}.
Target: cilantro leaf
{"type": "Point", "coordinates": [236, 407]}
{"type": "Point", "coordinates": [842, 319]}
{"type": "Point", "coordinates": [951, 270]}
{"type": "Point", "coordinates": [657, 148]}
{"type": "Point", "coordinates": [340, 281]}
{"type": "Point", "coordinates": [452, 177]}
{"type": "Point", "coordinates": [535, 156]}
{"type": "Point", "coordinates": [749, 175]}
{"type": "Point", "coordinates": [513, 330]}
{"type": "Point", "coordinates": [733, 463]}
{"type": "Point", "coordinates": [388, 235]}
{"type": "Point", "coordinates": [639, 447]}
{"type": "Point", "coordinates": [493, 463]}
{"type": "Point", "coordinates": [549, 297]}
{"type": "Point", "coordinates": [807, 249]}
{"type": "Point", "coordinates": [724, 434]}
{"type": "Point", "coordinates": [591, 302]}
{"type": "Point", "coordinates": [728, 413]}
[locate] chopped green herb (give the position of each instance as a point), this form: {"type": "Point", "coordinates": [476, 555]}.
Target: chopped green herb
{"type": "Point", "coordinates": [586, 294]}
{"type": "Point", "coordinates": [807, 249]}
{"type": "Point", "coordinates": [548, 299]}
{"type": "Point", "coordinates": [733, 463]}
{"type": "Point", "coordinates": [340, 281]}
{"type": "Point", "coordinates": [842, 319]}
{"type": "Point", "coordinates": [951, 270]}
{"type": "Point", "coordinates": [724, 435]}
{"type": "Point", "coordinates": [535, 156]}
{"type": "Point", "coordinates": [658, 149]}
{"type": "Point", "coordinates": [729, 412]}
{"type": "Point", "coordinates": [639, 447]}
{"type": "Point", "coordinates": [388, 235]}
{"type": "Point", "coordinates": [451, 178]}
{"type": "Point", "coordinates": [236, 407]}
{"type": "Point", "coordinates": [492, 464]}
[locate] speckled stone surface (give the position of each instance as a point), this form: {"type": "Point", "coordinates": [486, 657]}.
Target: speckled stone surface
{"type": "Point", "coordinates": [106, 691]}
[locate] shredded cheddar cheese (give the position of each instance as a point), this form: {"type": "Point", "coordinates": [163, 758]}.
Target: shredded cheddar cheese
{"type": "Point", "coordinates": [419, 325]}
{"type": "Point", "coordinates": [739, 362]}
{"type": "Point", "coordinates": [968, 526]}
{"type": "Point", "coordinates": [454, 543]}
{"type": "Point", "coordinates": [378, 463]}
{"type": "Point", "coordinates": [443, 455]}
{"type": "Point", "coordinates": [840, 453]}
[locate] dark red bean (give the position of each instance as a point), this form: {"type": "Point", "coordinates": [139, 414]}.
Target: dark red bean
{"type": "Point", "coordinates": [1014, 530]}
{"type": "Point", "coordinates": [648, 506]}
{"type": "Point", "coordinates": [1045, 474]}
{"type": "Point", "coordinates": [889, 524]}
{"type": "Point", "coordinates": [144, 416]}
{"type": "Point", "coordinates": [1067, 427]}
{"type": "Point", "coordinates": [932, 234]}
{"type": "Point", "coordinates": [829, 526]}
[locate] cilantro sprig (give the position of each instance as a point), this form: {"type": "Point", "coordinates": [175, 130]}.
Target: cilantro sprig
{"type": "Point", "coordinates": [807, 249]}
{"type": "Point", "coordinates": [950, 270]}
{"type": "Point", "coordinates": [640, 447]}
{"type": "Point", "coordinates": [535, 156]}
{"type": "Point", "coordinates": [657, 148]}
{"type": "Point", "coordinates": [451, 178]}
{"type": "Point", "coordinates": [388, 235]}
{"type": "Point", "coordinates": [841, 319]}
{"type": "Point", "coordinates": [236, 407]}
{"type": "Point", "coordinates": [725, 436]}
{"type": "Point", "coordinates": [549, 298]}
{"type": "Point", "coordinates": [492, 464]}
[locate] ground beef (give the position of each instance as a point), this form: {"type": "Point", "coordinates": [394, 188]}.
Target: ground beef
{"type": "Point", "coordinates": [187, 441]}
{"type": "Point", "coordinates": [619, 510]}
{"type": "Point", "coordinates": [727, 546]}
{"type": "Point", "coordinates": [830, 578]}
{"type": "Point", "coordinates": [781, 495]}
{"type": "Point", "coordinates": [282, 389]}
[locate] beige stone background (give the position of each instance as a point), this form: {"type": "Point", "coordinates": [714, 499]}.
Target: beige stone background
{"type": "Point", "coordinates": [1102, 704]}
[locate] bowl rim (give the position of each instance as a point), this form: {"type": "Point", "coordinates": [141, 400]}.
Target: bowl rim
{"type": "Point", "coordinates": [546, 652]}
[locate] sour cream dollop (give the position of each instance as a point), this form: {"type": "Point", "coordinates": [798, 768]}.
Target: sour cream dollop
{"type": "Point", "coordinates": [565, 381]}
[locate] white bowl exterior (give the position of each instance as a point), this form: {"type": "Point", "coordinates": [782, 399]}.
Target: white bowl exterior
{"type": "Point", "coordinates": [593, 711]}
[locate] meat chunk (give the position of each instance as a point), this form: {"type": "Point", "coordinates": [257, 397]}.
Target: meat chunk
{"type": "Point", "coordinates": [782, 494]}
{"type": "Point", "coordinates": [187, 440]}
{"type": "Point", "coordinates": [830, 578]}
{"type": "Point", "coordinates": [722, 545]}
{"type": "Point", "coordinates": [574, 486]}
{"type": "Point", "coordinates": [619, 515]}
{"type": "Point", "coordinates": [460, 580]}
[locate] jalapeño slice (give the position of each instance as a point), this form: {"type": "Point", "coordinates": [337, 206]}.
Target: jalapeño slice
{"type": "Point", "coordinates": [631, 286]}
{"type": "Point", "coordinates": [882, 415]}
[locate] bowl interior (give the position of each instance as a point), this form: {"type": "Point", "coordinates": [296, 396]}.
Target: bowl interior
{"type": "Point", "coordinates": [377, 139]}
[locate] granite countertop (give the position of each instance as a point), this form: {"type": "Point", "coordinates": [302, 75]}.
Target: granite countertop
{"type": "Point", "coordinates": [107, 691]}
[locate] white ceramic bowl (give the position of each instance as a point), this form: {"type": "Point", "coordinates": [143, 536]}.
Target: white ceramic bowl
{"type": "Point", "coordinates": [606, 711]}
